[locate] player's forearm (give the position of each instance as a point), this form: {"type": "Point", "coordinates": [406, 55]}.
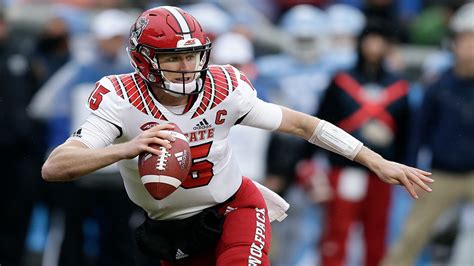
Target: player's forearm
{"type": "Point", "coordinates": [320, 133]}
{"type": "Point", "coordinates": [68, 162]}
{"type": "Point", "coordinates": [297, 123]}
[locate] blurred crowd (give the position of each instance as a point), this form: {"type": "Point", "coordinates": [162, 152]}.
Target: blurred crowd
{"type": "Point", "coordinates": [397, 74]}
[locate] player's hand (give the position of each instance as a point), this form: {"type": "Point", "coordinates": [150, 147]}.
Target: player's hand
{"type": "Point", "coordinates": [141, 143]}
{"type": "Point", "coordinates": [400, 174]}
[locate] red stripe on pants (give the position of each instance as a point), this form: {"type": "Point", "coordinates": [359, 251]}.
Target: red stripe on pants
{"type": "Point", "coordinates": [241, 240]}
{"type": "Point", "coordinates": [371, 210]}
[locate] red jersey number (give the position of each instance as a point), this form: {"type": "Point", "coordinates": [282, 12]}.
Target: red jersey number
{"type": "Point", "coordinates": [96, 97]}
{"type": "Point", "coordinates": [201, 171]}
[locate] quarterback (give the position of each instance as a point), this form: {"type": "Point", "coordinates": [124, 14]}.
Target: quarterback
{"type": "Point", "coordinates": [216, 216]}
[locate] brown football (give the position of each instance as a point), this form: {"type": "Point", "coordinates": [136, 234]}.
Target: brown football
{"type": "Point", "coordinates": [163, 174]}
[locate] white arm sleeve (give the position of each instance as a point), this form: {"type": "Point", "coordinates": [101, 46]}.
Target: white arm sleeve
{"type": "Point", "coordinates": [263, 115]}
{"type": "Point", "coordinates": [96, 132]}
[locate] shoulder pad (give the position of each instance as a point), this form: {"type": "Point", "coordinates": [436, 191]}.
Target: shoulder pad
{"type": "Point", "coordinates": [104, 101]}
{"type": "Point", "coordinates": [227, 78]}
{"type": "Point", "coordinates": [133, 90]}
{"type": "Point", "coordinates": [222, 82]}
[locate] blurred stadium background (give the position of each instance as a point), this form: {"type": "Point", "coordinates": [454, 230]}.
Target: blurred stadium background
{"type": "Point", "coordinates": [52, 52]}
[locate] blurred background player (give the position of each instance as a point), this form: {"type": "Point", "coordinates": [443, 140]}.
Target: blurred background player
{"type": "Point", "coordinates": [345, 24]}
{"type": "Point", "coordinates": [95, 213]}
{"type": "Point", "coordinates": [53, 47]}
{"type": "Point", "coordinates": [295, 78]}
{"type": "Point", "coordinates": [445, 126]}
{"type": "Point", "coordinates": [248, 144]}
{"type": "Point", "coordinates": [20, 143]}
{"type": "Point", "coordinates": [371, 103]}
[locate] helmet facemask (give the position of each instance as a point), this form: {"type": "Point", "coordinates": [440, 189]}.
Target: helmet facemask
{"type": "Point", "coordinates": [158, 75]}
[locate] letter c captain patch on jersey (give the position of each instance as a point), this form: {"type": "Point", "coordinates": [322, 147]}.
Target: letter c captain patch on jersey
{"type": "Point", "coordinates": [220, 117]}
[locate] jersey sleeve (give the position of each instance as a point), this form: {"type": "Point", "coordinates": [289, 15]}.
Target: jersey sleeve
{"type": "Point", "coordinates": [105, 103]}
{"type": "Point", "coordinates": [95, 132]}
{"type": "Point", "coordinates": [263, 115]}
{"type": "Point", "coordinates": [245, 95]}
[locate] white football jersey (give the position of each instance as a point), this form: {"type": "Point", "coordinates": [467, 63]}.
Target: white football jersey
{"type": "Point", "coordinates": [125, 101]}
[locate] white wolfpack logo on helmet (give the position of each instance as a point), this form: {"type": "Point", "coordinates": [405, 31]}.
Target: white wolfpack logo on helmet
{"type": "Point", "coordinates": [137, 30]}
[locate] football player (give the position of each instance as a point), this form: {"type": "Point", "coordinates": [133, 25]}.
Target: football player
{"type": "Point", "coordinates": [447, 110]}
{"type": "Point", "coordinates": [216, 217]}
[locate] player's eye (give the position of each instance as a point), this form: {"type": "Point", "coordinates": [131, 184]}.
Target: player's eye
{"type": "Point", "coordinates": [190, 57]}
{"type": "Point", "coordinates": [171, 59]}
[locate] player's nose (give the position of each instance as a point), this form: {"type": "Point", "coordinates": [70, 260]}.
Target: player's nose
{"type": "Point", "coordinates": [186, 65]}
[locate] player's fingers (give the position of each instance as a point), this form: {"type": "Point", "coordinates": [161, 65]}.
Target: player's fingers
{"type": "Point", "coordinates": [425, 178]}
{"type": "Point", "coordinates": [415, 178]}
{"type": "Point", "coordinates": [422, 176]}
{"type": "Point", "coordinates": [408, 186]}
{"type": "Point", "coordinates": [165, 135]}
{"type": "Point", "coordinates": [159, 134]}
{"type": "Point", "coordinates": [168, 126]}
{"type": "Point", "coordinates": [423, 172]}
{"type": "Point", "coordinates": [148, 134]}
{"type": "Point", "coordinates": [152, 150]}
{"type": "Point", "coordinates": [162, 142]}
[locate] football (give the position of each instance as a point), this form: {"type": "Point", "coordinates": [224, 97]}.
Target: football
{"type": "Point", "coordinates": [162, 175]}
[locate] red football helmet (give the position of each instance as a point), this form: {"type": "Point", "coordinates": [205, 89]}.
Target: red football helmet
{"type": "Point", "coordinates": [168, 30]}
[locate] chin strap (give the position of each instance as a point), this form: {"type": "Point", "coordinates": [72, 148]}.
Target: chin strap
{"type": "Point", "coordinates": [180, 88]}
